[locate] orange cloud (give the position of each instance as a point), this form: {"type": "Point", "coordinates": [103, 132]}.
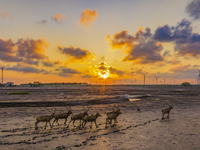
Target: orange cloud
{"type": "Point", "coordinates": [88, 16]}
{"type": "Point", "coordinates": [5, 14]}
{"type": "Point", "coordinates": [59, 17]}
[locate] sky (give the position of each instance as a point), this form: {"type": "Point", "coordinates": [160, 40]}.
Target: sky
{"type": "Point", "coordinates": [96, 40]}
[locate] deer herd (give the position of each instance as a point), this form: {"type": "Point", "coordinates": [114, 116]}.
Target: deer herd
{"type": "Point", "coordinates": [84, 117]}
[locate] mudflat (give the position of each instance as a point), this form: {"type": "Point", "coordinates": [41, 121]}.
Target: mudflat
{"type": "Point", "coordinates": [139, 126]}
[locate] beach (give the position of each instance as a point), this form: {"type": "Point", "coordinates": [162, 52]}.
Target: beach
{"type": "Point", "coordinates": [140, 126]}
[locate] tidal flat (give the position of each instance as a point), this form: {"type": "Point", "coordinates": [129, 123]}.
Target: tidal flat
{"type": "Point", "coordinates": [139, 126]}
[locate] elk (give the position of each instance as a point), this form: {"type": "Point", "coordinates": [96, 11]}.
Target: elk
{"type": "Point", "coordinates": [113, 116]}
{"type": "Point", "coordinates": [45, 118]}
{"type": "Point", "coordinates": [91, 119]}
{"type": "Point", "coordinates": [167, 110]}
{"type": "Point", "coordinates": [79, 116]}
{"type": "Point", "coordinates": [62, 116]}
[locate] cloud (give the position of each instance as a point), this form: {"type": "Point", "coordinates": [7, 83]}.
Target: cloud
{"type": "Point", "coordinates": [59, 17]}
{"type": "Point", "coordinates": [5, 14]}
{"type": "Point", "coordinates": [76, 54]}
{"type": "Point", "coordinates": [186, 42]}
{"type": "Point", "coordinates": [68, 72]}
{"type": "Point", "coordinates": [193, 9]}
{"type": "Point", "coordinates": [102, 68]}
{"type": "Point", "coordinates": [42, 22]}
{"type": "Point", "coordinates": [7, 50]}
{"type": "Point", "coordinates": [184, 71]}
{"type": "Point", "coordinates": [141, 48]}
{"type": "Point", "coordinates": [25, 69]}
{"type": "Point", "coordinates": [49, 63]}
{"type": "Point", "coordinates": [86, 76]}
{"type": "Point", "coordinates": [31, 49]}
{"type": "Point", "coordinates": [88, 16]}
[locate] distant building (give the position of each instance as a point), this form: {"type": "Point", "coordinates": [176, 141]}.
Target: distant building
{"type": "Point", "coordinates": [9, 84]}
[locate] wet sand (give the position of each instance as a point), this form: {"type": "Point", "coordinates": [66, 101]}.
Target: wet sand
{"type": "Point", "coordinates": [135, 129]}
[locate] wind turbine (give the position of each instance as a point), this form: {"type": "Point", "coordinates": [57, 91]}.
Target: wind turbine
{"type": "Point", "coordinates": [164, 80]}
{"type": "Point", "coordinates": [156, 79]}
{"type": "Point", "coordinates": [144, 74]}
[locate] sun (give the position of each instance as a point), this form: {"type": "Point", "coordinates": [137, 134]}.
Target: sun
{"type": "Point", "coordinates": [105, 76]}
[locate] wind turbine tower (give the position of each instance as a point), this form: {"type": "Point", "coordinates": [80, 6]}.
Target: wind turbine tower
{"type": "Point", "coordinates": [2, 76]}
{"type": "Point", "coordinates": [198, 76]}
{"type": "Point", "coordinates": [156, 79]}
{"type": "Point", "coordinates": [144, 74]}
{"type": "Point", "coordinates": [164, 80]}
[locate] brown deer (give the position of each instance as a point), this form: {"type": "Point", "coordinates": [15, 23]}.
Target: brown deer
{"type": "Point", "coordinates": [79, 116]}
{"type": "Point", "coordinates": [46, 119]}
{"type": "Point", "coordinates": [62, 116]}
{"type": "Point", "coordinates": [111, 112]}
{"type": "Point", "coordinates": [113, 116]}
{"type": "Point", "coordinates": [167, 111]}
{"type": "Point", "coordinates": [91, 119]}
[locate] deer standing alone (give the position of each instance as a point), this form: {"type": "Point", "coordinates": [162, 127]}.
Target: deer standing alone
{"type": "Point", "coordinates": [113, 116]}
{"type": "Point", "coordinates": [79, 116]}
{"type": "Point", "coordinates": [91, 119]}
{"type": "Point", "coordinates": [167, 111]}
{"type": "Point", "coordinates": [45, 118]}
{"type": "Point", "coordinates": [62, 116]}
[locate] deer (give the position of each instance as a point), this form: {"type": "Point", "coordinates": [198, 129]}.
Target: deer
{"type": "Point", "coordinates": [45, 118]}
{"type": "Point", "coordinates": [167, 110]}
{"type": "Point", "coordinates": [111, 112]}
{"type": "Point", "coordinates": [113, 116]}
{"type": "Point", "coordinates": [79, 116]}
{"type": "Point", "coordinates": [91, 119]}
{"type": "Point", "coordinates": [62, 116]}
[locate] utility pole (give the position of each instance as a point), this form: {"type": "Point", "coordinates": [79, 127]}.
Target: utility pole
{"type": "Point", "coordinates": [144, 76]}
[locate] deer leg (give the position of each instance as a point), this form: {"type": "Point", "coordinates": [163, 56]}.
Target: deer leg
{"type": "Point", "coordinates": [95, 123]}
{"type": "Point", "coordinates": [69, 123]}
{"type": "Point", "coordinates": [73, 122]}
{"type": "Point", "coordinates": [162, 116]}
{"type": "Point", "coordinates": [168, 115]}
{"type": "Point", "coordinates": [80, 122]}
{"type": "Point", "coordinates": [115, 122]}
{"type": "Point", "coordinates": [106, 122]}
{"type": "Point", "coordinates": [91, 125]}
{"type": "Point", "coordinates": [36, 127]}
{"type": "Point", "coordinates": [57, 122]}
{"type": "Point", "coordinates": [50, 124]}
{"type": "Point", "coordinates": [45, 125]}
{"type": "Point", "coordinates": [53, 122]}
{"type": "Point", "coordinates": [65, 121]}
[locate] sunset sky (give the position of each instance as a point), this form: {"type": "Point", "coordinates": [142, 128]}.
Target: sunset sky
{"type": "Point", "coordinates": [92, 40]}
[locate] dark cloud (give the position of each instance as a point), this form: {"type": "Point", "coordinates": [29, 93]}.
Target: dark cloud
{"type": "Point", "coordinates": [7, 50]}
{"type": "Point", "coordinates": [25, 69]}
{"type": "Point", "coordinates": [140, 48]}
{"type": "Point", "coordinates": [86, 76]}
{"type": "Point", "coordinates": [42, 22]}
{"type": "Point", "coordinates": [75, 54]}
{"type": "Point", "coordinates": [49, 63]}
{"type": "Point", "coordinates": [116, 71]}
{"type": "Point", "coordinates": [186, 42]}
{"type": "Point", "coordinates": [145, 52]}
{"type": "Point", "coordinates": [67, 72]}
{"type": "Point", "coordinates": [178, 34]}
{"type": "Point", "coordinates": [193, 9]}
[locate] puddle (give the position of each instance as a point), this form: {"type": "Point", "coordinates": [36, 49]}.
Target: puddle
{"type": "Point", "coordinates": [134, 99]}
